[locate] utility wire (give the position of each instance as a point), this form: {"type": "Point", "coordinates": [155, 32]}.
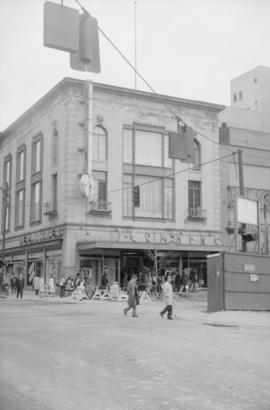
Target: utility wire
{"type": "Point", "coordinates": [144, 183]}
{"type": "Point", "coordinates": [174, 173]}
{"type": "Point", "coordinates": [177, 117]}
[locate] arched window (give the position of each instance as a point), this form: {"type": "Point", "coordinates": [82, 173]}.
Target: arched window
{"type": "Point", "coordinates": [197, 149]}
{"type": "Point", "coordinates": [99, 146]}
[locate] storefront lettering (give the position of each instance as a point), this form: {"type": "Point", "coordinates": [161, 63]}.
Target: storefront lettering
{"type": "Point", "coordinates": [195, 240]}
{"type": "Point", "coordinates": [163, 238]}
{"type": "Point", "coordinates": [184, 240]}
{"type": "Point", "coordinates": [217, 240]}
{"type": "Point", "coordinates": [168, 238]}
{"type": "Point", "coordinates": [132, 237]}
{"type": "Point", "coordinates": [147, 237]}
{"type": "Point", "coordinates": [42, 236]}
{"type": "Point", "coordinates": [208, 240]}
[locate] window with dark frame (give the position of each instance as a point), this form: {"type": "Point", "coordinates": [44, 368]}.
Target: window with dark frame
{"type": "Point", "coordinates": [194, 199]}
{"type": "Point", "coordinates": [20, 208]}
{"type": "Point", "coordinates": [7, 172]}
{"type": "Point", "coordinates": [36, 204]}
{"type": "Point", "coordinates": [37, 148]}
{"type": "Point", "coordinates": [197, 152]}
{"type": "Point", "coordinates": [147, 164]}
{"type": "Point", "coordinates": [36, 180]}
{"type": "Point", "coordinates": [99, 145]}
{"type": "Point", "coordinates": [100, 178]}
{"type": "Point", "coordinates": [20, 188]}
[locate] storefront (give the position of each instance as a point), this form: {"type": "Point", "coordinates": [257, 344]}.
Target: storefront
{"type": "Point", "coordinates": [36, 253]}
{"type": "Point", "coordinates": [132, 252]}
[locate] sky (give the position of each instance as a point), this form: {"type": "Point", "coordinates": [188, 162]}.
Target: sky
{"type": "Point", "coordinates": [185, 48]}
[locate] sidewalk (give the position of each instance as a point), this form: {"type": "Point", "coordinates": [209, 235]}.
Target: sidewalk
{"type": "Point", "coordinates": [192, 308]}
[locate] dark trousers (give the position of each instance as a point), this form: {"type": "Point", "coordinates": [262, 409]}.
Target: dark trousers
{"type": "Point", "coordinates": [168, 309]}
{"type": "Point", "coordinates": [133, 309]}
{"type": "Point", "coordinates": [62, 291]}
{"type": "Point", "coordinates": [19, 292]}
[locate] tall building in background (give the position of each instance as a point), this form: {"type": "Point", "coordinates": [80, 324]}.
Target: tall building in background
{"type": "Point", "coordinates": [246, 126]}
{"type": "Point", "coordinates": [120, 136]}
{"type": "Point", "coordinates": [251, 90]}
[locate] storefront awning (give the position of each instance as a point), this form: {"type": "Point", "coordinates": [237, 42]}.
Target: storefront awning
{"type": "Point", "coordinates": [93, 246]}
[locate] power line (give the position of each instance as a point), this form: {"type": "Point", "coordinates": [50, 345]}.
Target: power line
{"type": "Point", "coordinates": [177, 117]}
{"type": "Point", "coordinates": [174, 173]}
{"type": "Point", "coordinates": [144, 183]}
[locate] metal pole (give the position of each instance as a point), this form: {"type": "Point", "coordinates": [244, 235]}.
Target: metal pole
{"type": "Point", "coordinates": [259, 227]}
{"type": "Point", "coordinates": [235, 224]}
{"type": "Point", "coordinates": [266, 244]}
{"type": "Point", "coordinates": [242, 193]}
{"type": "Point", "coordinates": [4, 217]}
{"type": "Point", "coordinates": [241, 176]}
{"type": "Point", "coordinates": [135, 44]}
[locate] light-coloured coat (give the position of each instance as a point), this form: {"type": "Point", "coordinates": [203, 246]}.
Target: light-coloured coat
{"type": "Point", "coordinates": [167, 293]}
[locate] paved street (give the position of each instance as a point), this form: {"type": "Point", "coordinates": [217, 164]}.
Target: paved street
{"type": "Point", "coordinates": [63, 354]}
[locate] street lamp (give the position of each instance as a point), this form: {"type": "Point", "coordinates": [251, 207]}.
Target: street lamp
{"type": "Point", "coordinates": [4, 217]}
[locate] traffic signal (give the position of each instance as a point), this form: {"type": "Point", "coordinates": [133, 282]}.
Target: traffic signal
{"type": "Point", "coordinates": [61, 27]}
{"type": "Point", "coordinates": [181, 144]}
{"type": "Point", "coordinates": [87, 57]}
{"type": "Point", "coordinates": [136, 196]}
{"type": "Point", "coordinates": [67, 30]}
{"type": "Point", "coordinates": [249, 237]}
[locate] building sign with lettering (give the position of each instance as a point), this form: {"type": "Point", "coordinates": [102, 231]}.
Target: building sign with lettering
{"type": "Point", "coordinates": [169, 238]}
{"type": "Point", "coordinates": [41, 236]}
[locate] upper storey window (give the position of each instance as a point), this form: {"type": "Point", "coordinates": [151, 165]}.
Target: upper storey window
{"type": "Point", "coordinates": [7, 171]}
{"type": "Point", "coordinates": [197, 152]}
{"type": "Point", "coordinates": [99, 144]}
{"type": "Point", "coordinates": [37, 155]}
{"type": "Point", "coordinates": [144, 147]}
{"type": "Point", "coordinates": [21, 163]}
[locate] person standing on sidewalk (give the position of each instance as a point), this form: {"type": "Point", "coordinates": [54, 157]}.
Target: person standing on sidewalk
{"type": "Point", "coordinates": [168, 297]}
{"type": "Point", "coordinates": [133, 296]}
{"type": "Point", "coordinates": [36, 284]}
{"type": "Point", "coordinates": [6, 283]}
{"type": "Point", "coordinates": [20, 285]}
{"type": "Point", "coordinates": [13, 283]}
{"type": "Point", "coordinates": [51, 286]}
{"type": "Point", "coordinates": [41, 287]}
{"type": "Point", "coordinates": [62, 285]}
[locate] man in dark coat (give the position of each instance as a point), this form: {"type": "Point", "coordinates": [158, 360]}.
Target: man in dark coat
{"type": "Point", "coordinates": [133, 296]}
{"type": "Point", "coordinates": [20, 285]}
{"type": "Point", "coordinates": [104, 280]}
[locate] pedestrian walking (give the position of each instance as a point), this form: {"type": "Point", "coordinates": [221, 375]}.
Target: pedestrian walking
{"type": "Point", "coordinates": [133, 296]}
{"type": "Point", "coordinates": [41, 287]}
{"type": "Point", "coordinates": [62, 285]}
{"type": "Point", "coordinates": [36, 284]}
{"type": "Point", "coordinates": [20, 285]}
{"type": "Point", "coordinates": [168, 297]}
{"type": "Point", "coordinates": [177, 282]}
{"type": "Point", "coordinates": [6, 283]}
{"type": "Point", "coordinates": [13, 283]}
{"type": "Point", "coordinates": [51, 286]}
{"type": "Point", "coordinates": [104, 279]}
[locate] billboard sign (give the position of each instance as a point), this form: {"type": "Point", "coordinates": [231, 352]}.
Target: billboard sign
{"type": "Point", "coordinates": [247, 211]}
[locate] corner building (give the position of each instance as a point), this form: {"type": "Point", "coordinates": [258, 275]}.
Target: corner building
{"type": "Point", "coordinates": [120, 136]}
